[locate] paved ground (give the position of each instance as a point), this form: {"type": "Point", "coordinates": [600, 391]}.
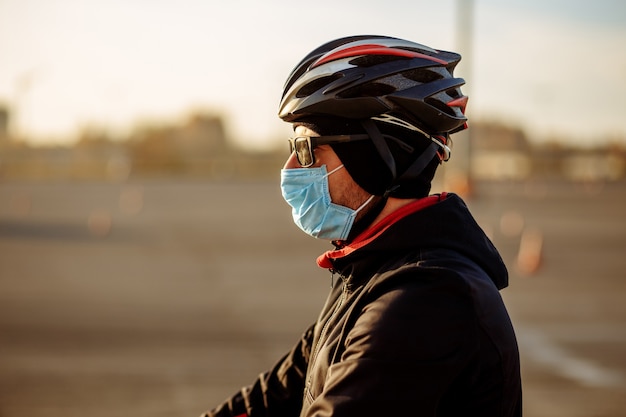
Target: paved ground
{"type": "Point", "coordinates": [160, 298]}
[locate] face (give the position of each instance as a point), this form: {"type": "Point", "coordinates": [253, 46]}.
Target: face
{"type": "Point", "coordinates": [343, 189]}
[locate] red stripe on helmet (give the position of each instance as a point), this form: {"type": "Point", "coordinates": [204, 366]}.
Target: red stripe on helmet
{"type": "Point", "coordinates": [460, 102]}
{"type": "Point", "coordinates": [373, 49]}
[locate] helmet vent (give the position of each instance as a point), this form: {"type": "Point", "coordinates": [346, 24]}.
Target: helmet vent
{"type": "Point", "coordinates": [454, 93]}
{"type": "Point", "coordinates": [422, 76]}
{"type": "Point", "coordinates": [440, 106]}
{"type": "Point", "coordinates": [368, 90]}
{"type": "Point", "coordinates": [316, 85]}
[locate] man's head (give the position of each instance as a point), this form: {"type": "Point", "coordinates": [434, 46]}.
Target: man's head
{"type": "Point", "coordinates": [400, 94]}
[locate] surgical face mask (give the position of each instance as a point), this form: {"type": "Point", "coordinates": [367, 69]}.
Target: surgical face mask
{"type": "Point", "coordinates": [306, 191]}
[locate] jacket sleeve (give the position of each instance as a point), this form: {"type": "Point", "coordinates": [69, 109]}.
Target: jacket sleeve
{"type": "Point", "coordinates": [276, 393]}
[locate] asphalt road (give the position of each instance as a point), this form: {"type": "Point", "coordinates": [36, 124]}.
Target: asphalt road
{"type": "Point", "coordinates": [162, 297]}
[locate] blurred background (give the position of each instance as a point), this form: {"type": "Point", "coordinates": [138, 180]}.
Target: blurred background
{"type": "Point", "coordinates": [148, 264]}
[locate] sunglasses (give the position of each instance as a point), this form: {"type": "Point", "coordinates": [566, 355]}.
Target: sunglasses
{"type": "Point", "coordinates": [303, 145]}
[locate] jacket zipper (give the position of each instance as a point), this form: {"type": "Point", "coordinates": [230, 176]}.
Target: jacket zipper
{"type": "Point", "coordinates": [318, 346]}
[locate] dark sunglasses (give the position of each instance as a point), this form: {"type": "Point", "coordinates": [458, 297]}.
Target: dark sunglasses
{"type": "Point", "coordinates": [303, 145]}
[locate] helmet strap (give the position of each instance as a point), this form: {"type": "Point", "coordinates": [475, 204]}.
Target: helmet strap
{"type": "Point", "coordinates": [413, 171]}
{"type": "Point", "coordinates": [416, 168]}
{"type": "Point", "coordinates": [381, 145]}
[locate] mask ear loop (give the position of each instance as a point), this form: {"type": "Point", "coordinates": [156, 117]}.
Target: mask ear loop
{"type": "Point", "coordinates": [362, 206]}
{"type": "Point", "coordinates": [334, 170]}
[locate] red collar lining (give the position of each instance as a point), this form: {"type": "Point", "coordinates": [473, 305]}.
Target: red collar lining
{"type": "Point", "coordinates": [370, 234]}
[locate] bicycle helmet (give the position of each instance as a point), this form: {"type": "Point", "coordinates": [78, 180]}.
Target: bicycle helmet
{"type": "Point", "coordinates": [392, 89]}
{"type": "Point", "coordinates": [360, 77]}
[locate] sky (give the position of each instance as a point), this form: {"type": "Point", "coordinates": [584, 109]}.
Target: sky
{"type": "Point", "coordinates": [555, 68]}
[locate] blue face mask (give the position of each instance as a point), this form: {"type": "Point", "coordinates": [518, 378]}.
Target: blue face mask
{"type": "Point", "coordinates": [306, 191]}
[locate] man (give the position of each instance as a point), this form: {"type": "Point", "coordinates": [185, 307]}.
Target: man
{"type": "Point", "coordinates": [414, 324]}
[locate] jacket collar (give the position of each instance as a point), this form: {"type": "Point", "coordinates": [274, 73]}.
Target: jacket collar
{"type": "Point", "coordinates": [325, 260]}
{"type": "Point", "coordinates": [433, 224]}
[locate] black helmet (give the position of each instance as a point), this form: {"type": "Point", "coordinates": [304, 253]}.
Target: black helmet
{"type": "Point", "coordinates": [379, 77]}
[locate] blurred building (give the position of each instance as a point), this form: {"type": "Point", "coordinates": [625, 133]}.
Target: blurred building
{"type": "Point", "coordinates": [499, 152]}
{"type": "Point", "coordinates": [194, 146]}
{"type": "Point", "coordinates": [199, 147]}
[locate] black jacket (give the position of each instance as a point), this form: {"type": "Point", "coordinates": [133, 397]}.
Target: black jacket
{"type": "Point", "coordinates": [414, 327]}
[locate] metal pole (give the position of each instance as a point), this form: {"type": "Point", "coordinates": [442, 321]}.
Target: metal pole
{"type": "Point", "coordinates": [458, 172]}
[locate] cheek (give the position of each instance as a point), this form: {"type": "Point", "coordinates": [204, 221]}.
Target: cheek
{"type": "Point", "coordinates": [292, 162]}
{"type": "Point", "coordinates": [343, 190]}
{"type": "Point", "coordinates": [335, 187]}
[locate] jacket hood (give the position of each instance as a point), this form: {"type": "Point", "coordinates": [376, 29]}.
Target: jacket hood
{"type": "Point", "coordinates": [438, 222]}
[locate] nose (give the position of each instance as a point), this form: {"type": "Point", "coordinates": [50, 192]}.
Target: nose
{"type": "Point", "coordinates": [292, 162]}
